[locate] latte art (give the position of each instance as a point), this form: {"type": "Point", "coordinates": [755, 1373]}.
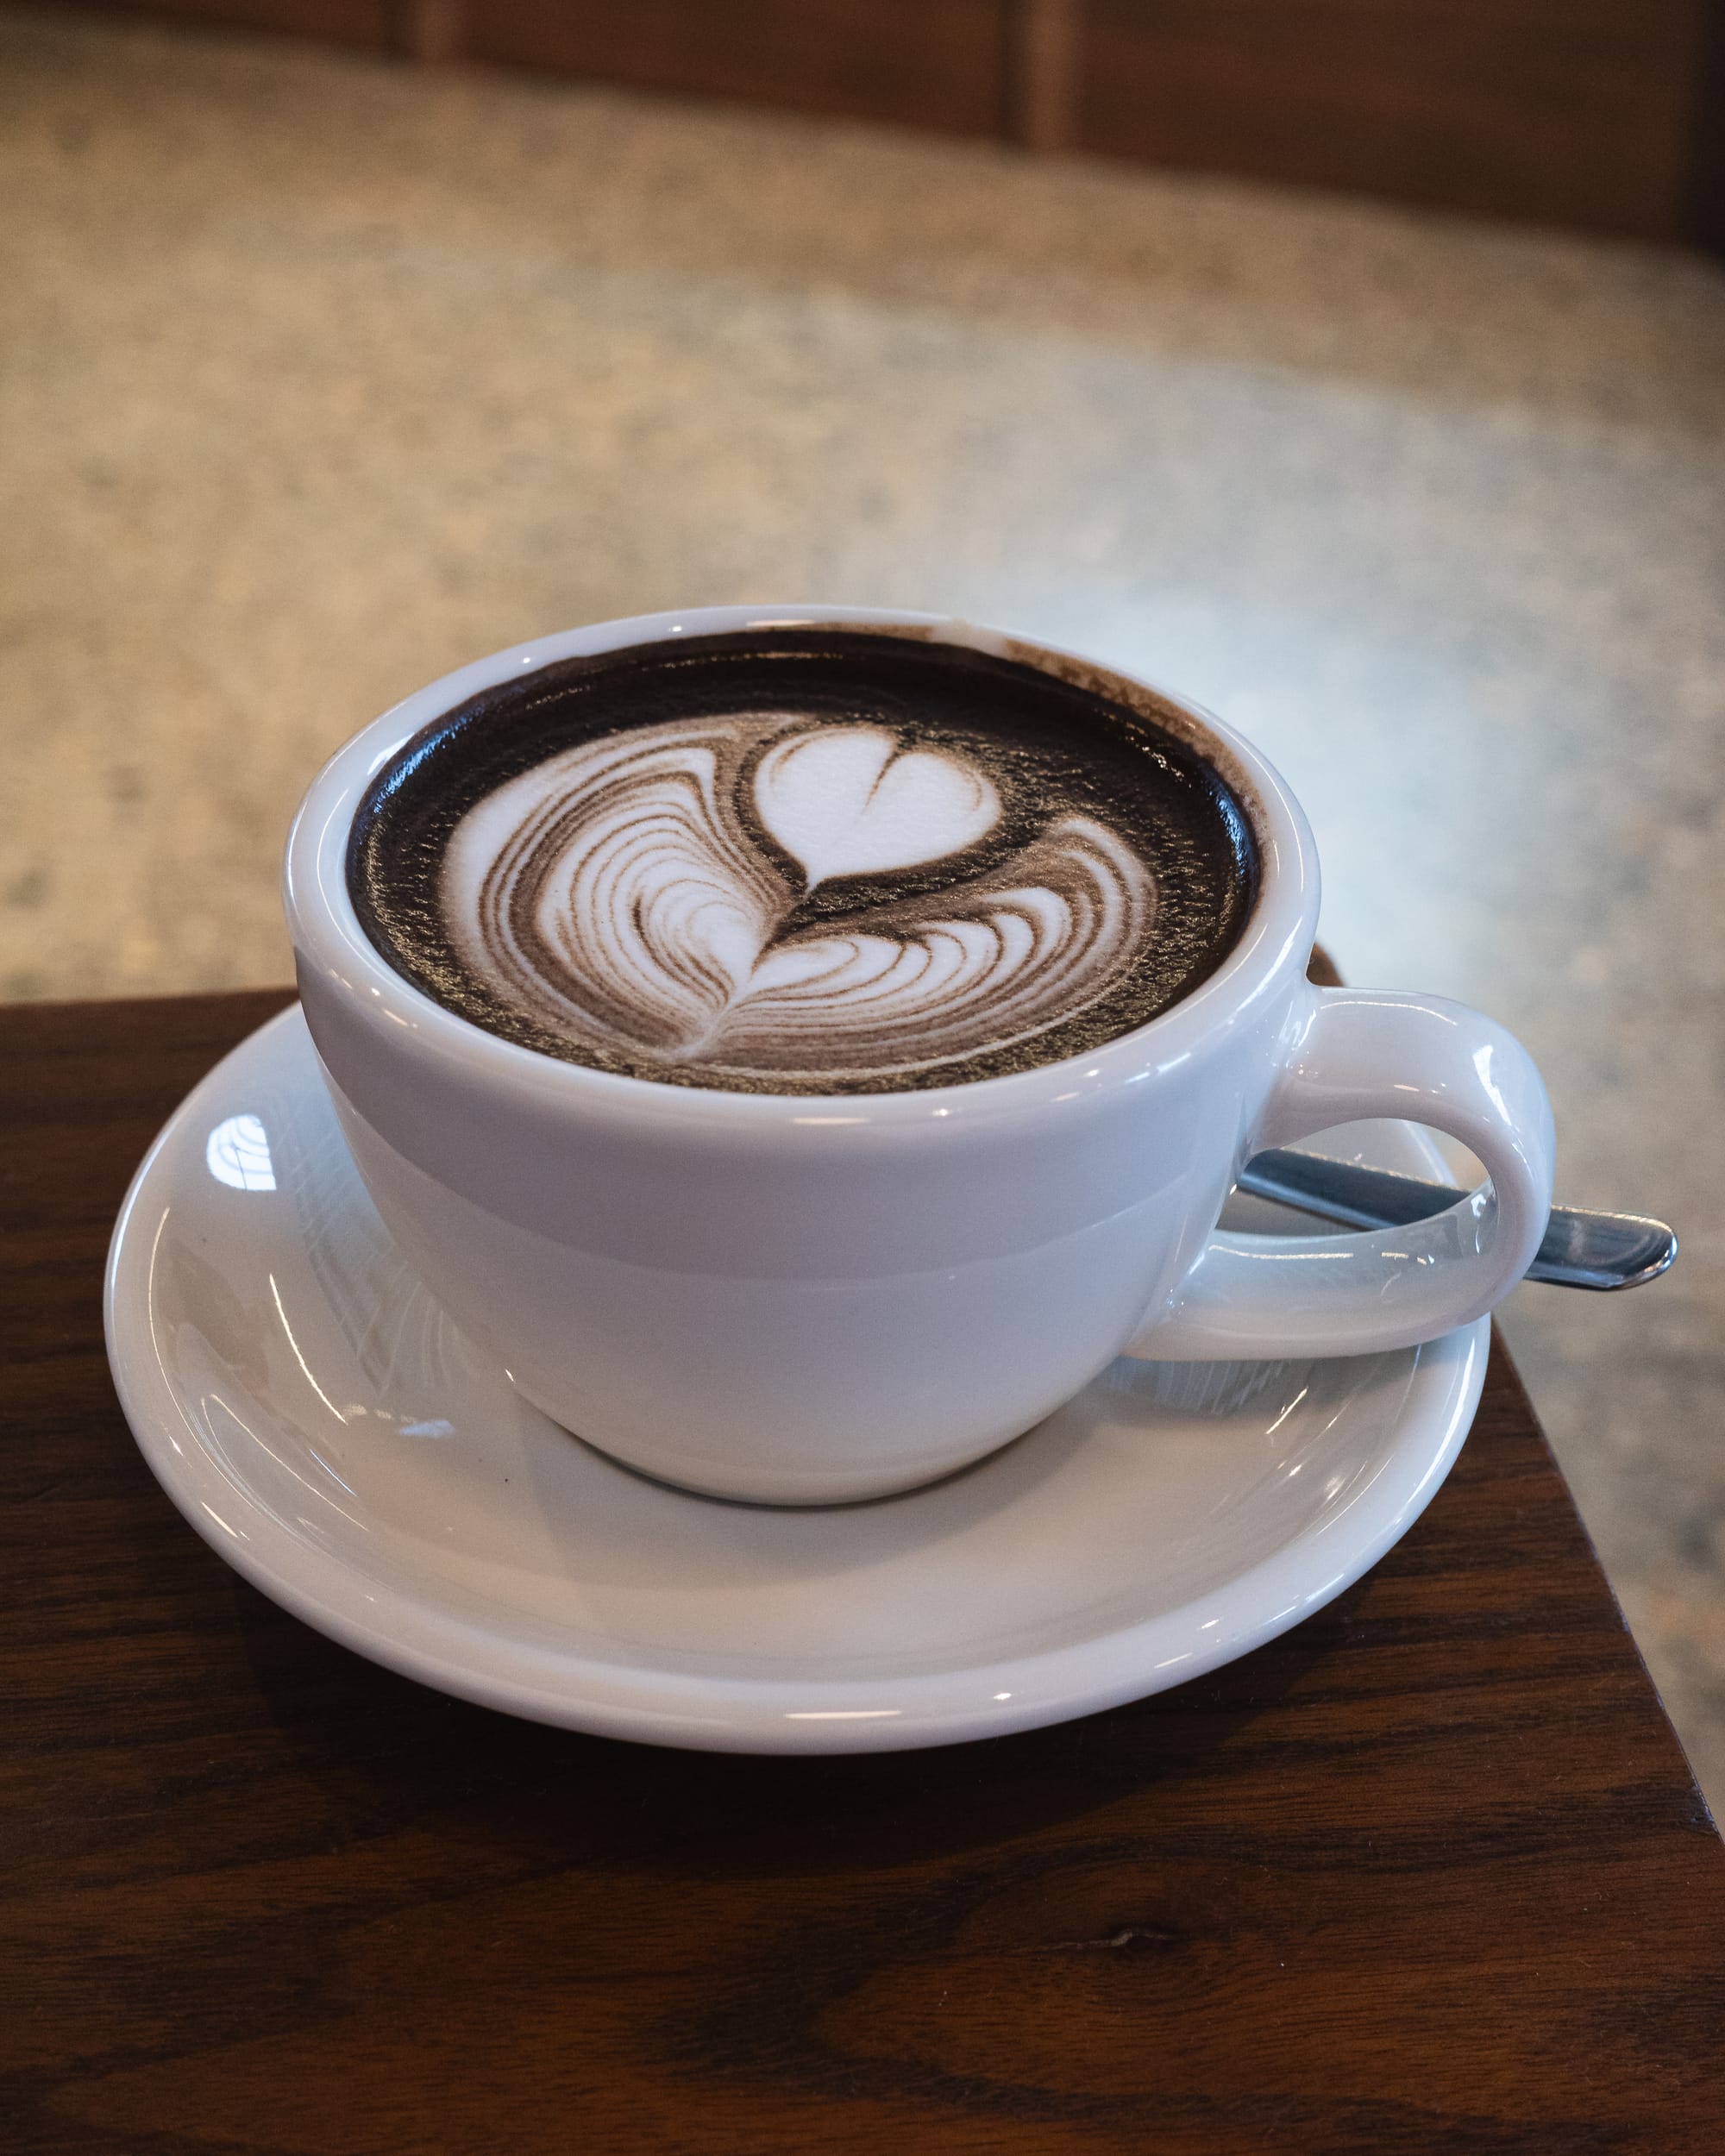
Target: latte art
{"type": "Point", "coordinates": [802, 861]}
{"type": "Point", "coordinates": [620, 894]}
{"type": "Point", "coordinates": [850, 799]}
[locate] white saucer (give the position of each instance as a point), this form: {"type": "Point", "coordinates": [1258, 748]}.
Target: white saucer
{"type": "Point", "coordinates": [329, 1431]}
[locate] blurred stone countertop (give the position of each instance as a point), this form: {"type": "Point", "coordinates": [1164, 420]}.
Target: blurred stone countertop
{"type": "Point", "coordinates": [319, 376]}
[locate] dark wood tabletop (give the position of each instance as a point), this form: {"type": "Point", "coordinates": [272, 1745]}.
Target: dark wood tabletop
{"type": "Point", "coordinates": [1429, 1873]}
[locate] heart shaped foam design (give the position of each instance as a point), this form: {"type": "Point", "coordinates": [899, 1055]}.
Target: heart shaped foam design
{"type": "Point", "coordinates": [844, 801]}
{"type": "Point", "coordinates": [617, 895]}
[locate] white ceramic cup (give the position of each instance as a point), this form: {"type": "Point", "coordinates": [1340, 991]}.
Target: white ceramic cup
{"type": "Point", "coordinates": [813, 1300]}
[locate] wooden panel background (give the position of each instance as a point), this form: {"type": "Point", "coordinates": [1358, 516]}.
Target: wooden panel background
{"type": "Point", "coordinates": [369, 24]}
{"type": "Point", "coordinates": [1603, 115]}
{"type": "Point", "coordinates": [1575, 112]}
{"type": "Point", "coordinates": [921, 63]}
{"type": "Point", "coordinates": [1703, 219]}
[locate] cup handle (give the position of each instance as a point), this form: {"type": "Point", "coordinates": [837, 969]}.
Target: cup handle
{"type": "Point", "coordinates": [1352, 1055]}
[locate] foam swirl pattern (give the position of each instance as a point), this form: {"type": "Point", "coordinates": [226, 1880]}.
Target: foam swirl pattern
{"type": "Point", "coordinates": [645, 896]}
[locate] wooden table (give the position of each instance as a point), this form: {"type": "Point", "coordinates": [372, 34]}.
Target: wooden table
{"type": "Point", "coordinates": [1427, 1874]}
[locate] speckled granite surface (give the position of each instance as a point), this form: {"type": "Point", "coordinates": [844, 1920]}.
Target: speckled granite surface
{"type": "Point", "coordinates": [318, 376]}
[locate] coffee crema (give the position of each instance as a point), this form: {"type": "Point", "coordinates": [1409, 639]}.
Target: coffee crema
{"type": "Point", "coordinates": [801, 861]}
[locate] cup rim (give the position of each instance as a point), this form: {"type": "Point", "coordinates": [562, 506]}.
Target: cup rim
{"type": "Point", "coordinates": [328, 936]}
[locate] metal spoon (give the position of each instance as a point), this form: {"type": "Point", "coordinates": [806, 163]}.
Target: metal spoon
{"type": "Point", "coordinates": [1581, 1250]}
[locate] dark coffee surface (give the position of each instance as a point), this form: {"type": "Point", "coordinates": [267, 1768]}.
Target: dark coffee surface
{"type": "Point", "coordinates": [801, 861]}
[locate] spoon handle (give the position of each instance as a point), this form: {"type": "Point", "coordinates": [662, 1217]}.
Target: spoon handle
{"type": "Point", "coordinates": [1580, 1250]}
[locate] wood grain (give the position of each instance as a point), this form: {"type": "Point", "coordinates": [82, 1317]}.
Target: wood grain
{"type": "Point", "coordinates": [1705, 217]}
{"type": "Point", "coordinates": [367, 24]}
{"type": "Point", "coordinates": [432, 32]}
{"type": "Point", "coordinates": [1578, 112]}
{"type": "Point", "coordinates": [1045, 50]}
{"type": "Point", "coordinates": [1428, 1874]}
{"type": "Point", "coordinates": [921, 63]}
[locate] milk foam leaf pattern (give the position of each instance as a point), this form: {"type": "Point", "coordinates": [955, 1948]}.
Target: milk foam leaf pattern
{"type": "Point", "coordinates": [810, 859]}
{"type": "Point", "coordinates": [619, 894]}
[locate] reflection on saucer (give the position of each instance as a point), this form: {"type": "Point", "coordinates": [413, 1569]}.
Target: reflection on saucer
{"type": "Point", "coordinates": [324, 1425]}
